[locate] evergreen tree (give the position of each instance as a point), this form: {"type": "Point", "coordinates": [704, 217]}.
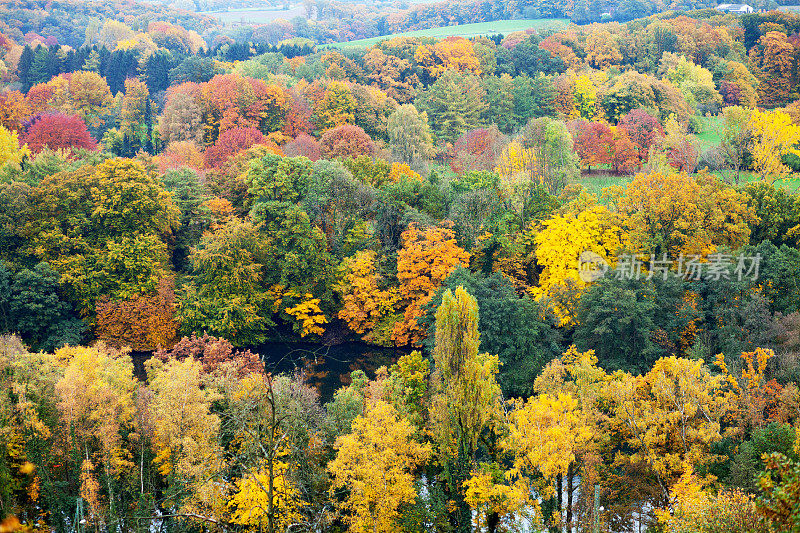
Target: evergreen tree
{"type": "Point", "coordinates": [24, 68]}
{"type": "Point", "coordinates": [156, 71]}
{"type": "Point", "coordinates": [454, 103]}
{"type": "Point", "coordinates": [41, 66]}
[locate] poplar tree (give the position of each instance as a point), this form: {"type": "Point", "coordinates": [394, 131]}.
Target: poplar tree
{"type": "Point", "coordinates": [466, 396]}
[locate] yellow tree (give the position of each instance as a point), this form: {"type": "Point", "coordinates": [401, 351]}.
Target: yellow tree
{"type": "Point", "coordinates": [679, 213]}
{"type": "Point", "coordinates": [560, 245]}
{"type": "Point", "coordinates": [739, 75]}
{"type": "Point", "coordinates": [337, 106]}
{"type": "Point", "coordinates": [517, 169]}
{"type": "Point", "coordinates": [451, 53]}
{"type": "Point", "coordinates": [585, 96]}
{"type": "Point", "coordinates": [544, 435]}
{"type": "Point", "coordinates": [514, 159]}
{"type": "Point", "coordinates": [251, 504]}
{"type": "Point", "coordinates": [668, 418]}
{"type": "Point", "coordinates": [750, 387]}
{"type": "Point", "coordinates": [10, 152]}
{"type": "Point", "coordinates": [602, 48]}
{"type": "Point", "coordinates": [774, 136]}
{"type": "Point", "coordinates": [266, 497]}
{"type": "Point", "coordinates": [133, 104]}
{"type": "Point", "coordinates": [375, 464]}
{"type": "Point", "coordinates": [577, 375]}
{"type": "Point", "coordinates": [495, 499]}
{"type": "Point", "coordinates": [134, 108]}
{"type": "Point", "coordinates": [367, 309]}
{"type": "Point", "coordinates": [698, 507]}
{"type": "Point", "coordinates": [185, 438]}
{"type": "Point", "coordinates": [89, 96]}
{"type": "Point", "coordinates": [96, 401]}
{"type": "Point", "coordinates": [426, 259]}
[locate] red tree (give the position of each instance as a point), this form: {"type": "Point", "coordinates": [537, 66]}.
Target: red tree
{"type": "Point", "coordinates": [39, 97]}
{"type": "Point", "coordinates": [233, 101]}
{"type": "Point", "coordinates": [477, 149]}
{"type": "Point", "coordinates": [213, 352]}
{"type": "Point", "coordinates": [298, 115]}
{"type": "Point", "coordinates": [594, 143]}
{"type": "Point", "coordinates": [304, 145]}
{"type": "Point", "coordinates": [230, 143]}
{"type": "Point", "coordinates": [346, 141]}
{"type": "Point", "coordinates": [731, 93]}
{"type": "Point", "coordinates": [57, 130]}
{"type": "Point", "coordinates": [643, 129]}
{"type": "Point", "coordinates": [143, 322]}
{"type": "Point", "coordinates": [625, 158]}
{"type": "Point", "coordinates": [683, 155]}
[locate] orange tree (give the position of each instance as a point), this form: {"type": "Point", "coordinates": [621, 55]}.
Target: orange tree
{"type": "Point", "coordinates": [425, 260]}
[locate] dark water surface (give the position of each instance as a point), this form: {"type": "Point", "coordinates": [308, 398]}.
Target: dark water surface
{"type": "Point", "coordinates": [325, 368]}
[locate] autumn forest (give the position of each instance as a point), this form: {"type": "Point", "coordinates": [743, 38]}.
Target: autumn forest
{"type": "Point", "coordinates": [576, 245]}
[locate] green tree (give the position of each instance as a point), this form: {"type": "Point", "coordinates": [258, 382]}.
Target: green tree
{"type": "Point", "coordinates": [227, 296]}
{"type": "Point", "coordinates": [748, 463]}
{"type": "Point", "coordinates": [454, 104]}
{"type": "Point", "coordinates": [465, 396]}
{"type": "Point", "coordinates": [297, 259]}
{"type": "Point", "coordinates": [780, 488]}
{"type": "Point", "coordinates": [337, 202]}
{"type": "Point", "coordinates": [500, 101]}
{"type": "Point", "coordinates": [777, 214]}
{"type": "Point", "coordinates": [103, 228]}
{"type": "Point", "coordinates": [30, 306]}
{"type": "Point", "coordinates": [509, 326]}
{"type": "Point", "coordinates": [190, 196]}
{"type": "Point", "coordinates": [409, 134]}
{"type": "Point", "coordinates": [616, 319]}
{"type": "Point", "coordinates": [275, 183]}
{"type": "Point", "coordinates": [554, 164]}
{"type": "Point", "coordinates": [736, 137]}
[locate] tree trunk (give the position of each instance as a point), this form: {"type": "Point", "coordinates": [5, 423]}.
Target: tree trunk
{"type": "Point", "coordinates": [560, 481]}
{"type": "Point", "coordinates": [570, 476]}
{"type": "Point", "coordinates": [492, 521]}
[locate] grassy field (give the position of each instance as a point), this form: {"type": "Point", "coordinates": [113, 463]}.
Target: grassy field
{"type": "Point", "coordinates": [710, 136]}
{"type": "Point", "coordinates": [596, 182]}
{"type": "Point", "coordinates": [464, 30]}
{"type": "Point", "coordinates": [791, 184]}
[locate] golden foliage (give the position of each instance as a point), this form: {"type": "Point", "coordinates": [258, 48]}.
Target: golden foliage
{"type": "Point", "coordinates": [364, 303]}
{"type": "Point", "coordinates": [560, 244]}
{"type": "Point", "coordinates": [454, 53]}
{"type": "Point", "coordinates": [375, 463]}
{"type": "Point", "coordinates": [775, 136]}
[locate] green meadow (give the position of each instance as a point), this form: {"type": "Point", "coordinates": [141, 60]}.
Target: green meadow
{"type": "Point", "coordinates": [464, 30]}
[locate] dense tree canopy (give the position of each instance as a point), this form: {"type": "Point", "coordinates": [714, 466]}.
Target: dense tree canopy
{"type": "Point", "coordinates": [219, 245]}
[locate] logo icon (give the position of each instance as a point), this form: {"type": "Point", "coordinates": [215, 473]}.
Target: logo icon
{"type": "Point", "coordinates": [591, 266]}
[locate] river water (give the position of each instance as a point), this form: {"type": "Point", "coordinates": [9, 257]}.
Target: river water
{"type": "Point", "coordinates": [325, 368]}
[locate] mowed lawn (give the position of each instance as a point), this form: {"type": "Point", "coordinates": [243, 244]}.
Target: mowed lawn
{"type": "Point", "coordinates": [464, 30]}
